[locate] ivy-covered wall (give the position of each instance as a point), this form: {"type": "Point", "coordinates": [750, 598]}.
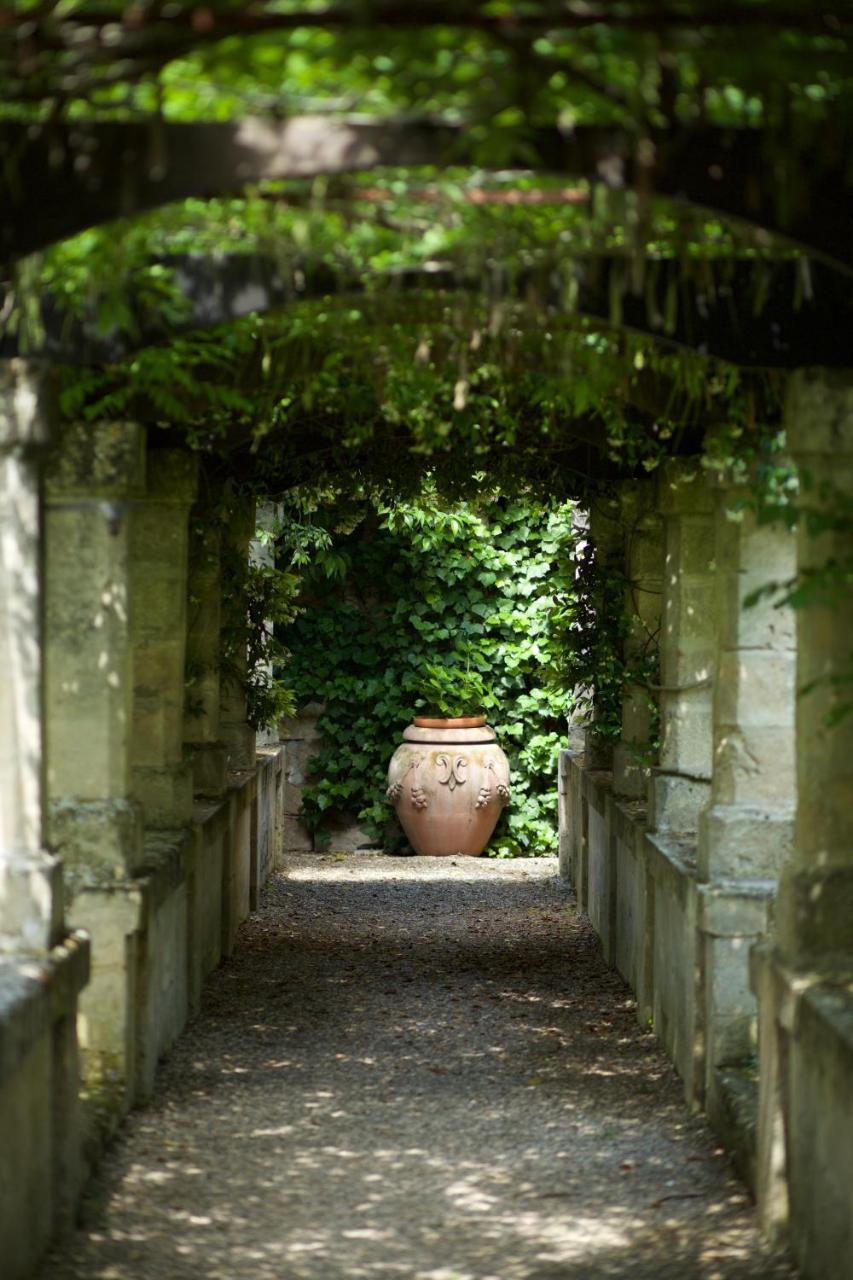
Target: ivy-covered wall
{"type": "Point", "coordinates": [469, 589]}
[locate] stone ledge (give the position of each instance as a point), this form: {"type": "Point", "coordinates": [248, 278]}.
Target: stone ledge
{"type": "Point", "coordinates": [832, 1004]}
{"type": "Point", "coordinates": [827, 985]}
{"type": "Point", "coordinates": [629, 817]}
{"type": "Point", "coordinates": [165, 862]}
{"type": "Point", "coordinates": [209, 809]}
{"type": "Point", "coordinates": [674, 855]}
{"type": "Point", "coordinates": [164, 866]}
{"type": "Point", "coordinates": [596, 788]}
{"type": "Point", "coordinates": [35, 993]}
{"type": "Point", "coordinates": [239, 779]}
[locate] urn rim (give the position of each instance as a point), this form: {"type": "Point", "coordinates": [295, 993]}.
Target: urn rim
{"type": "Point", "coordinates": [448, 722]}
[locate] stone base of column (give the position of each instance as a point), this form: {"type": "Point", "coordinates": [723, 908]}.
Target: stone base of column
{"type": "Point", "coordinates": [771, 1185]}
{"type": "Point", "coordinates": [598, 751]}
{"type": "Point", "coordinates": [731, 917]}
{"type": "Point", "coordinates": [96, 838]}
{"type": "Point", "coordinates": [166, 795]}
{"type": "Point", "coordinates": [240, 743]}
{"type": "Point", "coordinates": [630, 778]}
{"type": "Point", "coordinates": [31, 903]}
{"type": "Point", "coordinates": [815, 912]}
{"type": "Point", "coordinates": [744, 842]}
{"type": "Point", "coordinates": [675, 802]}
{"type": "Point", "coordinates": [209, 767]}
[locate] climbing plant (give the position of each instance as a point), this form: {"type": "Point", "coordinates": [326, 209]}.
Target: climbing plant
{"type": "Point", "coordinates": [427, 596]}
{"type": "Point", "coordinates": [600, 648]}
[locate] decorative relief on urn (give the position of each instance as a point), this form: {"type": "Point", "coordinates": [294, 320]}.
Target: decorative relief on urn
{"type": "Point", "coordinates": [484, 796]}
{"type": "Point", "coordinates": [394, 790]}
{"type": "Point", "coordinates": [453, 771]}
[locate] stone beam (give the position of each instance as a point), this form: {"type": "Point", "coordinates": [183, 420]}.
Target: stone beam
{"type": "Point", "coordinates": [805, 310]}
{"type": "Point", "coordinates": [62, 178]}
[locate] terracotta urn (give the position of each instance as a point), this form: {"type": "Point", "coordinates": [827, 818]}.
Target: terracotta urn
{"type": "Point", "coordinates": [448, 781]}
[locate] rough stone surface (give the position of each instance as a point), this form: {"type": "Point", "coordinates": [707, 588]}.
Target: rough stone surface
{"type": "Point", "coordinates": [30, 902]}
{"type": "Point", "coordinates": [162, 779]}
{"type": "Point", "coordinates": [40, 1165]}
{"type": "Point", "coordinates": [416, 1068]}
{"type": "Point", "coordinates": [644, 559]}
{"type": "Point", "coordinates": [686, 652]}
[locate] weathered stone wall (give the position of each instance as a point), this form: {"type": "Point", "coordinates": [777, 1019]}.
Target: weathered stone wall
{"type": "Point", "coordinates": [803, 973]}
{"type": "Point", "coordinates": [301, 740]}
{"type": "Point", "coordinates": [155, 881]}
{"type": "Point", "coordinates": [43, 964]}
{"type": "Point", "coordinates": [683, 899]}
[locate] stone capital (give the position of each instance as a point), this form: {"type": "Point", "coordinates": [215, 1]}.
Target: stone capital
{"type": "Point", "coordinates": [683, 490]}
{"type": "Point", "coordinates": [98, 460]}
{"type": "Point", "coordinates": [27, 394]}
{"type": "Point", "coordinates": [172, 476]}
{"type": "Point", "coordinates": [819, 414]}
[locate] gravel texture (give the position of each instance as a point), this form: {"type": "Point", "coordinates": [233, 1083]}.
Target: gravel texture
{"type": "Point", "coordinates": [416, 1068]}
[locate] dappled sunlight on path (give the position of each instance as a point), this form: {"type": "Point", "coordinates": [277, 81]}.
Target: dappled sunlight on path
{"type": "Point", "coordinates": [416, 1068]}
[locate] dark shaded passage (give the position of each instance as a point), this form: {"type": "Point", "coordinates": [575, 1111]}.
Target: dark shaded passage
{"type": "Point", "coordinates": [421, 1069]}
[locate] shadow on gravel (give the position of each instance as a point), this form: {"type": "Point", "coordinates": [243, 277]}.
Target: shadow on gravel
{"type": "Point", "coordinates": [408, 1075]}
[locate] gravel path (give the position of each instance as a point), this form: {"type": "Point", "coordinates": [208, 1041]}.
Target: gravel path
{"type": "Point", "coordinates": [416, 1068]}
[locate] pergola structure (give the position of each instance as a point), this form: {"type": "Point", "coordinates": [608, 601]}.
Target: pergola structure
{"type": "Point", "coordinates": [727, 902]}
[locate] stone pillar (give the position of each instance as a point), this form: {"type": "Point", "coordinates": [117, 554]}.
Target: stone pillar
{"type": "Point", "coordinates": [262, 554]}
{"type": "Point", "coordinates": [237, 734]}
{"type": "Point", "coordinates": [747, 829]}
{"type": "Point", "coordinates": [644, 555]}
{"type": "Point", "coordinates": [162, 776]}
{"type": "Point", "coordinates": [31, 914]}
{"type": "Point", "coordinates": [95, 474]}
{"type": "Point", "coordinates": [681, 785]}
{"type": "Point", "coordinates": [605, 532]}
{"type": "Point", "coordinates": [204, 658]}
{"type": "Point", "coordinates": [745, 833]}
{"type": "Point", "coordinates": [815, 917]}
{"type": "Point", "coordinates": [802, 976]}
{"type": "Point", "coordinates": [301, 739]}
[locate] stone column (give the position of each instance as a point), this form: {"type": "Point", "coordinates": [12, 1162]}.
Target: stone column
{"type": "Point", "coordinates": [31, 914]}
{"type": "Point", "coordinates": [605, 533]}
{"type": "Point", "coordinates": [745, 833]}
{"type": "Point", "coordinates": [204, 658]}
{"type": "Point", "coordinates": [644, 555]}
{"type": "Point", "coordinates": [815, 918]}
{"type": "Point", "coordinates": [95, 474]}
{"type": "Point", "coordinates": [802, 976]}
{"type": "Point", "coordinates": [262, 554]}
{"type": "Point", "coordinates": [747, 829]}
{"type": "Point", "coordinates": [162, 776]}
{"type": "Point", "coordinates": [237, 734]}
{"type": "Point", "coordinates": [681, 785]}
